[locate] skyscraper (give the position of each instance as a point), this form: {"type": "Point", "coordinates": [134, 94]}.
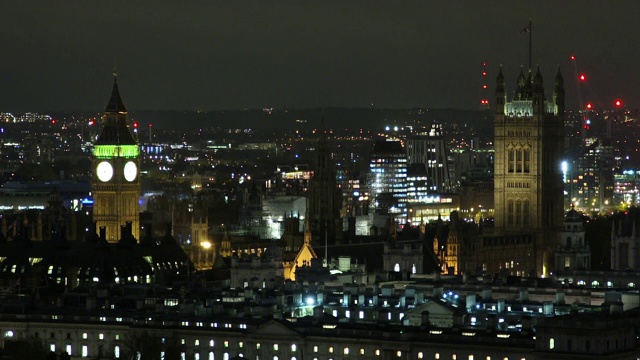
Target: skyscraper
{"type": "Point", "coordinates": [528, 182]}
{"type": "Point", "coordinates": [116, 164]}
{"type": "Point", "coordinates": [430, 149]}
{"type": "Point", "coordinates": [387, 177]}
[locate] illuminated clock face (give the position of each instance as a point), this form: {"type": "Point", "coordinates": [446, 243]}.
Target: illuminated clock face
{"type": "Point", "coordinates": [104, 170]}
{"type": "Point", "coordinates": [130, 171]}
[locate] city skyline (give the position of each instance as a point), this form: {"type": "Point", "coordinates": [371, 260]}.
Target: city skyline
{"type": "Point", "coordinates": [218, 55]}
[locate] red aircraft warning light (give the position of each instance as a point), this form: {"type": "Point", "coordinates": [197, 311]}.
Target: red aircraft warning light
{"type": "Point", "coordinates": [589, 106]}
{"type": "Point", "coordinates": [573, 57]}
{"type": "Point", "coordinates": [135, 124]}
{"type": "Point", "coordinates": [617, 103]}
{"type": "Point", "coordinates": [582, 77]}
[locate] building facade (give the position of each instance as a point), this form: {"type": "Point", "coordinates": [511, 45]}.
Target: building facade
{"type": "Point", "coordinates": [529, 141]}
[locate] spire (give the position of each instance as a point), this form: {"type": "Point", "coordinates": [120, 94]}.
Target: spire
{"type": "Point", "coordinates": [115, 104]}
{"type": "Point", "coordinates": [500, 92]}
{"type": "Point", "coordinates": [538, 76]}
{"type": "Point", "coordinates": [558, 92]}
{"type": "Point", "coordinates": [521, 85]}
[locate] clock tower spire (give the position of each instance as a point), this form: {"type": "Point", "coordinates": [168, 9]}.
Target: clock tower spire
{"type": "Point", "coordinates": [116, 163]}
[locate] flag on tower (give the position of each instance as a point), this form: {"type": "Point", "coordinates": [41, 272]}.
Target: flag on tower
{"type": "Point", "coordinates": [526, 29]}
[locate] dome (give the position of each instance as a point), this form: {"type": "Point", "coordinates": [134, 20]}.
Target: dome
{"type": "Point", "coordinates": [572, 216]}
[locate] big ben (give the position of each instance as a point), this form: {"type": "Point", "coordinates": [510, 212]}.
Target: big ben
{"type": "Point", "coordinates": [116, 164]}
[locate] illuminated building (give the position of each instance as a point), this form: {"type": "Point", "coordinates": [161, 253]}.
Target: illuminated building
{"type": "Point", "coordinates": [627, 188]}
{"type": "Point", "coordinates": [387, 177]}
{"type": "Point", "coordinates": [116, 164]}
{"type": "Point", "coordinates": [594, 185]}
{"type": "Point", "coordinates": [417, 183]}
{"type": "Point", "coordinates": [430, 149]}
{"type": "Point", "coordinates": [528, 196]}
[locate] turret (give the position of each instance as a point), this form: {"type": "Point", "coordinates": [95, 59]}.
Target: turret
{"type": "Point", "coordinates": [520, 87]}
{"type": "Point", "coordinates": [537, 92]}
{"type": "Point", "coordinates": [558, 93]}
{"type": "Point", "coordinates": [500, 93]}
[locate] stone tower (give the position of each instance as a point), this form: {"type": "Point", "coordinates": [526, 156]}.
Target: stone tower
{"type": "Point", "coordinates": [116, 170]}
{"type": "Point", "coordinates": [325, 198]}
{"type": "Point", "coordinates": [528, 182]}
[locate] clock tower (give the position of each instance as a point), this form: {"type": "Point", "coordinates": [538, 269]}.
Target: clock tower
{"type": "Point", "coordinates": [116, 164]}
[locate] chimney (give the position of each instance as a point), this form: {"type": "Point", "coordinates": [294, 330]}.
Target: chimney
{"type": "Point", "coordinates": [471, 301]}
{"type": "Point", "coordinates": [424, 319]}
{"type": "Point", "coordinates": [486, 294]}
{"type": "Point", "coordinates": [318, 311]}
{"type": "Point", "coordinates": [524, 295]}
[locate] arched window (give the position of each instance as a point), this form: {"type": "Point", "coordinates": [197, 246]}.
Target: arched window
{"type": "Point", "coordinates": [552, 343]}
{"type": "Point", "coordinates": [413, 269]}
{"type": "Point", "coordinates": [396, 268]}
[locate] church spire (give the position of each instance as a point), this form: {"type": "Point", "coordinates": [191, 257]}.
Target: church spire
{"type": "Point", "coordinates": [115, 104]}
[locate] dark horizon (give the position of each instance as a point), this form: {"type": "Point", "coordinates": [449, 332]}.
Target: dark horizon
{"type": "Point", "coordinates": [356, 54]}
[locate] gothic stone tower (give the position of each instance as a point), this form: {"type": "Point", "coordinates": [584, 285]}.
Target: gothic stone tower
{"type": "Point", "coordinates": [116, 163]}
{"type": "Point", "coordinates": [528, 183]}
{"type": "Point", "coordinates": [325, 198]}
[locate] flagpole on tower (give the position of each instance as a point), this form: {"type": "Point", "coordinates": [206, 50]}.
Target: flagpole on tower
{"type": "Point", "coordinates": [530, 43]}
{"type": "Point", "coordinates": [528, 30]}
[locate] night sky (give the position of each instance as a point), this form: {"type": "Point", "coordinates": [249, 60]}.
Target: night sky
{"type": "Point", "coordinates": [207, 55]}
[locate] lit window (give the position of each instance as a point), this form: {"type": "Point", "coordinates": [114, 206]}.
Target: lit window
{"type": "Point", "coordinates": [258, 346]}
{"type": "Point", "coordinates": [377, 352]}
{"type": "Point", "coordinates": [84, 335]}
{"type": "Point", "coordinates": [420, 355]}
{"type": "Point", "coordinates": [116, 352]}
{"type": "Point", "coordinates": [437, 356]}
{"type": "Point", "coordinates": [552, 343]}
{"type": "Point", "coordinates": [240, 344]}
{"type": "Point", "coordinates": [101, 336]}
{"type": "Point", "coordinates": [226, 343]}
{"type": "Point", "coordinates": [470, 357]}
{"type": "Point", "coordinates": [8, 334]}
{"type": "Point", "coordinates": [346, 351]}
{"type": "Point", "coordinates": [293, 347]}
{"type": "Point", "coordinates": [315, 349]}
{"type": "Point", "coordinates": [399, 353]}
{"type": "Point", "coordinates": [361, 351]}
{"type": "Point", "coordinates": [331, 349]}
{"type": "Point", "coordinates": [275, 347]}
{"type": "Point", "coordinates": [196, 343]}
{"type": "Point", "coordinates": [85, 351]}
{"type": "Point", "coordinates": [69, 349]}
{"type": "Point", "coordinates": [212, 343]}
